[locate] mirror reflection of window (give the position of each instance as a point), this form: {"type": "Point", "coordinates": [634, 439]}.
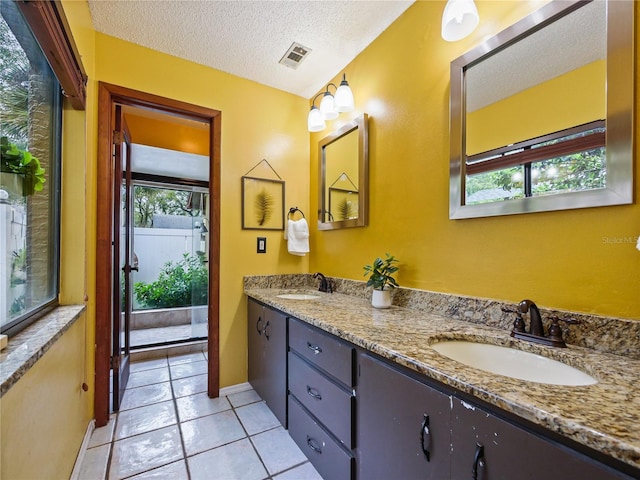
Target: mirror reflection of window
{"type": "Point", "coordinates": [341, 158]}
{"type": "Point", "coordinates": [541, 99]}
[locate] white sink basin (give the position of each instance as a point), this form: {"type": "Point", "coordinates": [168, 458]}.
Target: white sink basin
{"type": "Point", "coordinates": [297, 296]}
{"type": "Point", "coordinates": [513, 363]}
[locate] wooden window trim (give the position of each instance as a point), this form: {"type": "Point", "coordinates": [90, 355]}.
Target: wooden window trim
{"type": "Point", "coordinates": [49, 25]}
{"type": "Point", "coordinates": [530, 155]}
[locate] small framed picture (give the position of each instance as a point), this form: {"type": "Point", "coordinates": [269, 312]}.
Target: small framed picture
{"type": "Point", "coordinates": [262, 204]}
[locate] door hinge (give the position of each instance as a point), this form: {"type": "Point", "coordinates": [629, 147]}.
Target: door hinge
{"type": "Point", "coordinates": [114, 362]}
{"type": "Point", "coordinates": [117, 136]}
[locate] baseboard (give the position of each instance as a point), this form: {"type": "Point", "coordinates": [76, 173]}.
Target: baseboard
{"type": "Point", "coordinates": [240, 387]}
{"type": "Point", "coordinates": [75, 474]}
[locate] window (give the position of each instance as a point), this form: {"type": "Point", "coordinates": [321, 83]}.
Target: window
{"type": "Point", "coordinates": [567, 161]}
{"type": "Point", "coordinates": [30, 126]}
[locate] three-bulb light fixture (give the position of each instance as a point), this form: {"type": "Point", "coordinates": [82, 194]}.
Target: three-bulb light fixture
{"type": "Point", "coordinates": [330, 105]}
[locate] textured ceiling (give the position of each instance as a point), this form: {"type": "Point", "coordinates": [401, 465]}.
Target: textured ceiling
{"type": "Point", "coordinates": [248, 38]}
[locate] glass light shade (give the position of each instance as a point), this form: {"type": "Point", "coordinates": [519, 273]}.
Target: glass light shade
{"type": "Point", "coordinates": [459, 19]}
{"type": "Point", "coordinates": [315, 121]}
{"type": "Point", "coordinates": [344, 98]}
{"type": "Point", "coordinates": [328, 107]}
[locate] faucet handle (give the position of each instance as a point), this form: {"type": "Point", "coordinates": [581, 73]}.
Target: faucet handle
{"type": "Point", "coordinates": [555, 332]}
{"type": "Point", "coordinates": [518, 323]}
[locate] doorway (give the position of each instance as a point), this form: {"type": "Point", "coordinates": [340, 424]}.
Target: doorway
{"type": "Point", "coordinates": [116, 256]}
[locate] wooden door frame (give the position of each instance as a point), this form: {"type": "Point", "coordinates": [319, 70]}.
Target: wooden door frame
{"type": "Point", "coordinates": [109, 94]}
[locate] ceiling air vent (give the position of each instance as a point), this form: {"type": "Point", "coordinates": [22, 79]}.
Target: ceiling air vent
{"type": "Point", "coordinates": [294, 55]}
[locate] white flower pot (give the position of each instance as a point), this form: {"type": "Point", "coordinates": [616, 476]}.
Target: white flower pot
{"type": "Point", "coordinates": [381, 298]}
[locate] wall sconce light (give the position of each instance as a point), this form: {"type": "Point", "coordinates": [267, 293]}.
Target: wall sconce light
{"type": "Point", "coordinates": [459, 19]}
{"type": "Point", "coordinates": [330, 105]}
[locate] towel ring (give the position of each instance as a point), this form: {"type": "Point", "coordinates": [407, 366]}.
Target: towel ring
{"type": "Point", "coordinates": [293, 210]}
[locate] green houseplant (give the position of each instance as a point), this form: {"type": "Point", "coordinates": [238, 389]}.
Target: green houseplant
{"type": "Point", "coordinates": [380, 278]}
{"type": "Point", "coordinates": [20, 162]}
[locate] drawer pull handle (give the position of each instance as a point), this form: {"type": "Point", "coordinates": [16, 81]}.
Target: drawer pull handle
{"type": "Point", "coordinates": [425, 432]}
{"type": "Point", "coordinates": [478, 460]}
{"type": "Point", "coordinates": [258, 325]}
{"type": "Point", "coordinates": [312, 446]}
{"type": "Point", "coordinates": [314, 348]}
{"type": "Point", "coordinates": [313, 393]}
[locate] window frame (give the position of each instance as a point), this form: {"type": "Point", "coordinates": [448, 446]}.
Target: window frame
{"type": "Point", "coordinates": [49, 26]}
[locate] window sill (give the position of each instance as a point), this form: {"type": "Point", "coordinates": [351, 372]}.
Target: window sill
{"type": "Point", "coordinates": [28, 346]}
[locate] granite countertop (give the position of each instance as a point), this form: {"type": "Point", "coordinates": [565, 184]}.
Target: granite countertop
{"type": "Point", "coordinates": [604, 416]}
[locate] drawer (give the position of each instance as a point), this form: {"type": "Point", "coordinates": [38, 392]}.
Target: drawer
{"type": "Point", "coordinates": [328, 457]}
{"type": "Point", "coordinates": [328, 402]}
{"type": "Point", "coordinates": [322, 349]}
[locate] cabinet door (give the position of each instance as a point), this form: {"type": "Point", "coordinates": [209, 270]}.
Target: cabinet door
{"type": "Point", "coordinates": [267, 356]}
{"type": "Point", "coordinates": [402, 426]}
{"type": "Point", "coordinates": [485, 447]}
{"type": "Point", "coordinates": [256, 353]}
{"type": "Point", "coordinates": [275, 363]}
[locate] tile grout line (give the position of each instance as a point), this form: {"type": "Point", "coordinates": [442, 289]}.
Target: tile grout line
{"type": "Point", "coordinates": [179, 422]}
{"type": "Point", "coordinates": [233, 409]}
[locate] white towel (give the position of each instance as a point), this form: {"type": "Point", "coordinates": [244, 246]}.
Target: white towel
{"type": "Point", "coordinates": [297, 237]}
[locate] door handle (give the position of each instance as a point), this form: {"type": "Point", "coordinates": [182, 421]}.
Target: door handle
{"type": "Point", "coordinates": [129, 268]}
{"type": "Point", "coordinates": [266, 331]}
{"type": "Point", "coordinates": [258, 329]}
{"type": "Point", "coordinates": [316, 349]}
{"type": "Point", "coordinates": [478, 460]}
{"type": "Point", "coordinates": [424, 431]}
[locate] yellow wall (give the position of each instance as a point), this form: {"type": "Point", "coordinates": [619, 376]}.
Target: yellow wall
{"type": "Point", "coordinates": [45, 414]}
{"type": "Point", "coordinates": [582, 260]}
{"type": "Point", "coordinates": [552, 106]}
{"type": "Point", "coordinates": [275, 131]}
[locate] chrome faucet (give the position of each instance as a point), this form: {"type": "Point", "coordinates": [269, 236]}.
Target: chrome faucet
{"type": "Point", "coordinates": [325, 284]}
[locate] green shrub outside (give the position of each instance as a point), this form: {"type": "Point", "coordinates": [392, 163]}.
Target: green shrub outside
{"type": "Point", "coordinates": [179, 284]}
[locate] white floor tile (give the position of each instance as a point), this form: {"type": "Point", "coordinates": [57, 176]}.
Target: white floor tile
{"type": "Point", "coordinates": [103, 435]}
{"type": "Point", "coordinates": [94, 464]}
{"type": "Point", "coordinates": [141, 396]}
{"type": "Point", "coordinates": [209, 432]}
{"type": "Point", "coordinates": [145, 419]}
{"type": "Point", "coordinates": [144, 452]}
{"type": "Point", "coordinates": [148, 377]}
{"type": "Point", "coordinates": [236, 461]}
{"type": "Point", "coordinates": [189, 385]}
{"type": "Point", "coordinates": [306, 471]}
{"type": "Point", "coordinates": [173, 471]}
{"type": "Point", "coordinates": [278, 450]}
{"type": "Point", "coordinates": [186, 358]}
{"type": "Point", "coordinates": [200, 405]}
{"type": "Point", "coordinates": [138, 366]}
{"type": "Point", "coordinates": [182, 370]}
{"type": "Point", "coordinates": [244, 398]}
{"type": "Point", "coordinates": [257, 418]}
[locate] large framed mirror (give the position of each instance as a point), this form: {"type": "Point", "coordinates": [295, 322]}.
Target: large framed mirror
{"type": "Point", "coordinates": [343, 190]}
{"type": "Point", "coordinates": [541, 114]}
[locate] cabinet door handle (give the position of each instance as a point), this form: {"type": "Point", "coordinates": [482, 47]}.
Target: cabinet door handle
{"type": "Point", "coordinates": [258, 325]}
{"type": "Point", "coordinates": [316, 349]}
{"type": "Point", "coordinates": [313, 393]}
{"type": "Point", "coordinates": [425, 432]}
{"type": "Point", "coordinates": [312, 446]}
{"type": "Point", "coordinates": [478, 460]}
{"type": "Point", "coordinates": [265, 330]}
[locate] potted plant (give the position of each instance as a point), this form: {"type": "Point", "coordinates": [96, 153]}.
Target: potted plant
{"type": "Point", "coordinates": [14, 160]}
{"type": "Point", "coordinates": [380, 278]}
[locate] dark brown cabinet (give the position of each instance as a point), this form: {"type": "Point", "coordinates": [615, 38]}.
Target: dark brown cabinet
{"type": "Point", "coordinates": [402, 427]}
{"type": "Point", "coordinates": [486, 447]}
{"type": "Point", "coordinates": [267, 342]}
{"type": "Point", "coordinates": [321, 401]}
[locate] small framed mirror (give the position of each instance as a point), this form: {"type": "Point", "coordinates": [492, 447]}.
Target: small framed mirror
{"type": "Point", "coordinates": [541, 114]}
{"type": "Point", "coordinates": [344, 177]}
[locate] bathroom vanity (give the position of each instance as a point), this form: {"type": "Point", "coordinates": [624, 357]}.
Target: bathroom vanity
{"type": "Point", "coordinates": [366, 397]}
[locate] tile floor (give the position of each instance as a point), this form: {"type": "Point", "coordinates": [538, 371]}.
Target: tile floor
{"type": "Point", "coordinates": [168, 428]}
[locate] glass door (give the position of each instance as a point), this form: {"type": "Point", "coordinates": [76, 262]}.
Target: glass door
{"type": "Point", "coordinates": [170, 228]}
